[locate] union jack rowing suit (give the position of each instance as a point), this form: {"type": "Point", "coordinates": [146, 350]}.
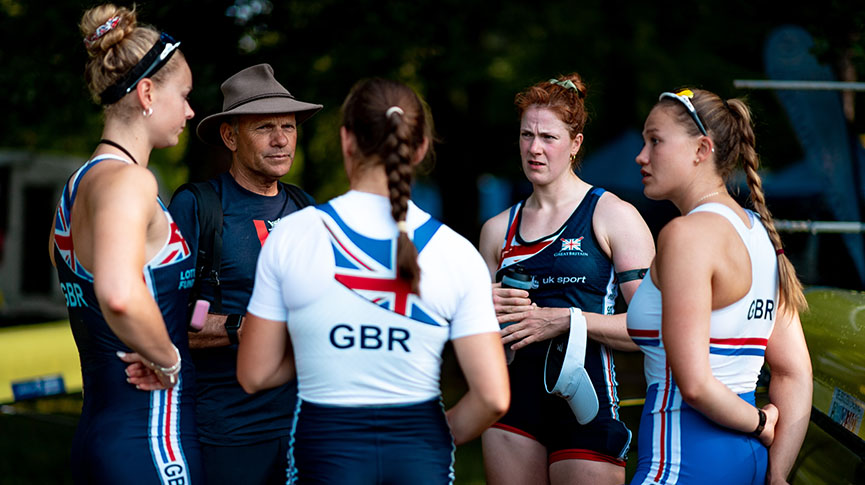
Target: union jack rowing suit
{"type": "Point", "coordinates": [126, 435]}
{"type": "Point", "coordinates": [368, 350]}
{"type": "Point", "coordinates": [569, 270]}
{"type": "Point", "coordinates": [677, 444]}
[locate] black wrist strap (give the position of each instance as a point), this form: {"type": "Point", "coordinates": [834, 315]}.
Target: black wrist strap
{"type": "Point", "coordinates": [761, 425]}
{"type": "Point", "coordinates": [232, 326]}
{"type": "Point", "coordinates": [634, 274]}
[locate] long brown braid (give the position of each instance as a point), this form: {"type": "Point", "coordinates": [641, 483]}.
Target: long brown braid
{"type": "Point", "coordinates": [389, 122]}
{"type": "Point", "coordinates": [730, 126]}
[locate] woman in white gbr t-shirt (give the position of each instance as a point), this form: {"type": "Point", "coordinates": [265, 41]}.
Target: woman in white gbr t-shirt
{"type": "Point", "coordinates": [371, 288]}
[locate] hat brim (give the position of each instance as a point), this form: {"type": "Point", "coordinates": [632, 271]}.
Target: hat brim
{"type": "Point", "coordinates": [564, 367]}
{"type": "Point", "coordinates": [208, 129]}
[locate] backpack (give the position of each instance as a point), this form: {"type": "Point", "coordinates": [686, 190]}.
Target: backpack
{"type": "Point", "coordinates": [209, 257]}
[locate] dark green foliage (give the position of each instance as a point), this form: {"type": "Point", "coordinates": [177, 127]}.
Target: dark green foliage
{"type": "Point", "coordinates": [467, 58]}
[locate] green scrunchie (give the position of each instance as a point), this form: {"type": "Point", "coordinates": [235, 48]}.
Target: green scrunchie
{"type": "Point", "coordinates": [567, 83]}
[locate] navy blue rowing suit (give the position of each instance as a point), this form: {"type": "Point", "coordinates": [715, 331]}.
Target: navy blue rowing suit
{"type": "Point", "coordinates": [126, 435]}
{"type": "Point", "coordinates": [568, 269]}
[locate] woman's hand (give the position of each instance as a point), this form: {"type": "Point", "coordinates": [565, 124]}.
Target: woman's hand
{"type": "Point", "coordinates": [509, 302]}
{"type": "Point", "coordinates": [139, 375]}
{"type": "Point", "coordinates": [535, 325]}
{"type": "Point", "coordinates": [767, 437]}
{"type": "Point", "coordinates": [142, 373]}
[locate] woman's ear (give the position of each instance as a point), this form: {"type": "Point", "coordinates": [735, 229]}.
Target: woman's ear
{"type": "Point", "coordinates": [145, 91]}
{"type": "Point", "coordinates": [347, 142]}
{"type": "Point", "coordinates": [576, 143]}
{"type": "Point", "coordinates": [420, 154]}
{"type": "Point", "coordinates": [705, 148]}
{"type": "Point", "coordinates": [349, 146]}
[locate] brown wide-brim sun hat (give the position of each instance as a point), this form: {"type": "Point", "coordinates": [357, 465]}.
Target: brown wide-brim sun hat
{"type": "Point", "coordinates": [253, 91]}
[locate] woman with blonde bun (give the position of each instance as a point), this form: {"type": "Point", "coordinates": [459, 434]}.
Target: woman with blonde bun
{"type": "Point", "coordinates": [123, 265]}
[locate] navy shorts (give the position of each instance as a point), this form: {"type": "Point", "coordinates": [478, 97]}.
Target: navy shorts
{"type": "Point", "coordinates": [548, 419]}
{"type": "Point", "coordinates": [409, 444]}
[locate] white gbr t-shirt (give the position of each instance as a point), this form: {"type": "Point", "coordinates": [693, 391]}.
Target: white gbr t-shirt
{"type": "Point", "coordinates": [359, 337]}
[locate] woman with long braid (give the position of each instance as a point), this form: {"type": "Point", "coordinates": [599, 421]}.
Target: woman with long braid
{"type": "Point", "coordinates": [371, 288]}
{"type": "Point", "coordinates": [719, 299]}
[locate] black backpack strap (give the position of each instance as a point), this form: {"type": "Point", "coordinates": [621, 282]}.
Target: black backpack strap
{"type": "Point", "coordinates": [300, 198]}
{"type": "Point", "coordinates": [209, 257]}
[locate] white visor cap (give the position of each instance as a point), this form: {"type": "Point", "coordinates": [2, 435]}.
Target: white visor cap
{"type": "Point", "coordinates": [564, 365]}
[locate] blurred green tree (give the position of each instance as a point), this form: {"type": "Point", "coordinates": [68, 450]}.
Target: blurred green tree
{"type": "Point", "coordinates": [467, 58]}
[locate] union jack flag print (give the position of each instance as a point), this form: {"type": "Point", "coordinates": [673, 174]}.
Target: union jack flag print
{"type": "Point", "coordinates": [512, 251]}
{"type": "Point", "coordinates": [63, 222]}
{"type": "Point", "coordinates": [368, 267]}
{"type": "Point", "coordinates": [572, 244]}
{"type": "Point", "coordinates": [177, 249]}
{"type": "Point", "coordinates": [63, 241]}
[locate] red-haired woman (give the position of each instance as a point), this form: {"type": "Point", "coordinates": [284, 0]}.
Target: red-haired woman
{"type": "Point", "coordinates": [577, 246]}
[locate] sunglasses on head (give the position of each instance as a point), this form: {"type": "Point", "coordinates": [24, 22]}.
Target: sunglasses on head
{"type": "Point", "coordinates": [684, 96]}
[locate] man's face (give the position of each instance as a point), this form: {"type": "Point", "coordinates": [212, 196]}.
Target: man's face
{"type": "Point", "coordinates": [263, 145]}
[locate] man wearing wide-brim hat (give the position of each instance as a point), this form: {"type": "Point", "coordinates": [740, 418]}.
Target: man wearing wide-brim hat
{"type": "Point", "coordinates": [244, 437]}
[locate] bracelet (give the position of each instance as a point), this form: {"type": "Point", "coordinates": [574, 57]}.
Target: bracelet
{"type": "Point", "coordinates": [169, 371]}
{"type": "Point", "coordinates": [761, 425]}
